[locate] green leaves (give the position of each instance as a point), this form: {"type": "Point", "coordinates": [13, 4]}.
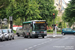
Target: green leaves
{"type": "Point", "coordinates": [47, 8]}
{"type": "Point", "coordinates": [70, 11]}
{"type": "Point", "coordinates": [28, 9]}
{"type": "Point", "coordinates": [69, 15]}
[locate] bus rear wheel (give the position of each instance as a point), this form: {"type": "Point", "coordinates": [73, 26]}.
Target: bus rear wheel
{"type": "Point", "coordinates": [42, 36]}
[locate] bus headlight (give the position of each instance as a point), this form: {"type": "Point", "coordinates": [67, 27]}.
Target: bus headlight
{"type": "Point", "coordinates": [45, 32]}
{"type": "Point", "coordinates": [33, 32]}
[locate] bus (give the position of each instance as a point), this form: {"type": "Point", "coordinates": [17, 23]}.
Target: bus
{"type": "Point", "coordinates": [34, 29]}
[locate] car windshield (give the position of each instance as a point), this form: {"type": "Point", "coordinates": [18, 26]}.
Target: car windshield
{"type": "Point", "coordinates": [40, 26]}
{"type": "Point", "coordinates": [4, 31]}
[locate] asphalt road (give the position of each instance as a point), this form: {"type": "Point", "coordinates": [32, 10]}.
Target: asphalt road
{"type": "Point", "coordinates": [67, 42]}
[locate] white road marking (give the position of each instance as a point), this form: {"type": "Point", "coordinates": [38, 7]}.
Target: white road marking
{"type": "Point", "coordinates": [34, 45]}
{"type": "Point", "coordinates": [30, 47]}
{"type": "Point", "coordinates": [39, 44]}
{"type": "Point", "coordinates": [26, 49]}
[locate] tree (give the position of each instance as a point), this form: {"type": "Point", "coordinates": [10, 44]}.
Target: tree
{"type": "Point", "coordinates": [47, 8]}
{"type": "Point", "coordinates": [70, 11]}
{"type": "Point", "coordinates": [69, 14]}
{"type": "Point", "coordinates": [27, 9]}
{"type": "Point", "coordinates": [3, 6]}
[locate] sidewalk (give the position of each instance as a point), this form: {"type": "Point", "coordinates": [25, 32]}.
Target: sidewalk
{"type": "Point", "coordinates": [54, 36]}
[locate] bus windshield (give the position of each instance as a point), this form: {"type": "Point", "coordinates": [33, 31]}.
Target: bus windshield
{"type": "Point", "coordinates": [40, 26]}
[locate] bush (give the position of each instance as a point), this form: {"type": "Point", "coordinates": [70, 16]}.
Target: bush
{"type": "Point", "coordinates": [59, 30]}
{"type": "Point", "coordinates": [14, 31]}
{"type": "Point", "coordinates": [49, 30]}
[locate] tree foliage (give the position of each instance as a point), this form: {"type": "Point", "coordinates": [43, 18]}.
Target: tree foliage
{"type": "Point", "coordinates": [3, 5]}
{"type": "Point", "coordinates": [69, 14]}
{"type": "Point", "coordinates": [47, 8]}
{"type": "Point", "coordinates": [28, 9]}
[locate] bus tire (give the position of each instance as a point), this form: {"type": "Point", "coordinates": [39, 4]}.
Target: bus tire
{"type": "Point", "coordinates": [26, 36]}
{"type": "Point", "coordinates": [42, 36]}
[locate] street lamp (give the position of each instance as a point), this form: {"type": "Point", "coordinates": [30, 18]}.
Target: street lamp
{"type": "Point", "coordinates": [53, 21]}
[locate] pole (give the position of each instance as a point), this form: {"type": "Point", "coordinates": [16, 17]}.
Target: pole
{"type": "Point", "coordinates": [53, 21]}
{"type": "Point", "coordinates": [11, 22]}
{"type": "Point", "coordinates": [0, 23]}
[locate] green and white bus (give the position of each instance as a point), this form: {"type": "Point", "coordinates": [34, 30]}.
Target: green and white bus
{"type": "Point", "coordinates": [34, 28]}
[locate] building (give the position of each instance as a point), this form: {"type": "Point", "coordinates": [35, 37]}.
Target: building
{"type": "Point", "coordinates": [60, 6]}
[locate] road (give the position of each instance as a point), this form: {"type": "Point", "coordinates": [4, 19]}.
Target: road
{"type": "Point", "coordinates": [67, 42]}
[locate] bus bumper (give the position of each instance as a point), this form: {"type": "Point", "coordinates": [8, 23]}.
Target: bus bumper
{"type": "Point", "coordinates": [39, 35]}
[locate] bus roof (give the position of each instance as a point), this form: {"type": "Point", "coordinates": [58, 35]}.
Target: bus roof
{"type": "Point", "coordinates": [27, 22]}
{"type": "Point", "coordinates": [32, 21]}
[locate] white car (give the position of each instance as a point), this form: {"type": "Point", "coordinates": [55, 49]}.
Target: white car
{"type": "Point", "coordinates": [2, 37]}
{"type": "Point", "coordinates": [11, 33]}
{"type": "Point", "coordinates": [19, 31]}
{"type": "Point", "coordinates": [8, 34]}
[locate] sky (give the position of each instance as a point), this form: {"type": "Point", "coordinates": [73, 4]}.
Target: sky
{"type": "Point", "coordinates": [67, 1]}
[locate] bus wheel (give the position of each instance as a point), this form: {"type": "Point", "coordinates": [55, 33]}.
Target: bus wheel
{"type": "Point", "coordinates": [26, 36]}
{"type": "Point", "coordinates": [42, 36]}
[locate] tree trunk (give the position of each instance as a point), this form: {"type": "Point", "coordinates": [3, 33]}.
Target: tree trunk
{"type": "Point", "coordinates": [25, 18]}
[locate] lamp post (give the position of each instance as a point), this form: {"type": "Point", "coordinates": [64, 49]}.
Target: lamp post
{"type": "Point", "coordinates": [0, 23]}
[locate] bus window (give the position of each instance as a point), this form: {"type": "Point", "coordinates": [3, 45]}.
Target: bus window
{"type": "Point", "coordinates": [40, 26]}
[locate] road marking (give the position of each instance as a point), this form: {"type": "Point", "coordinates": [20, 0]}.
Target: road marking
{"type": "Point", "coordinates": [34, 45]}
{"type": "Point", "coordinates": [26, 49]}
{"type": "Point", "coordinates": [30, 47]}
{"type": "Point", "coordinates": [38, 44]}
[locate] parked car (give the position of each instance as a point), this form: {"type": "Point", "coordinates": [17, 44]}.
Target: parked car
{"type": "Point", "coordinates": [11, 33]}
{"type": "Point", "coordinates": [19, 31]}
{"type": "Point", "coordinates": [8, 34]}
{"type": "Point", "coordinates": [68, 31]}
{"type": "Point", "coordinates": [2, 37]}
